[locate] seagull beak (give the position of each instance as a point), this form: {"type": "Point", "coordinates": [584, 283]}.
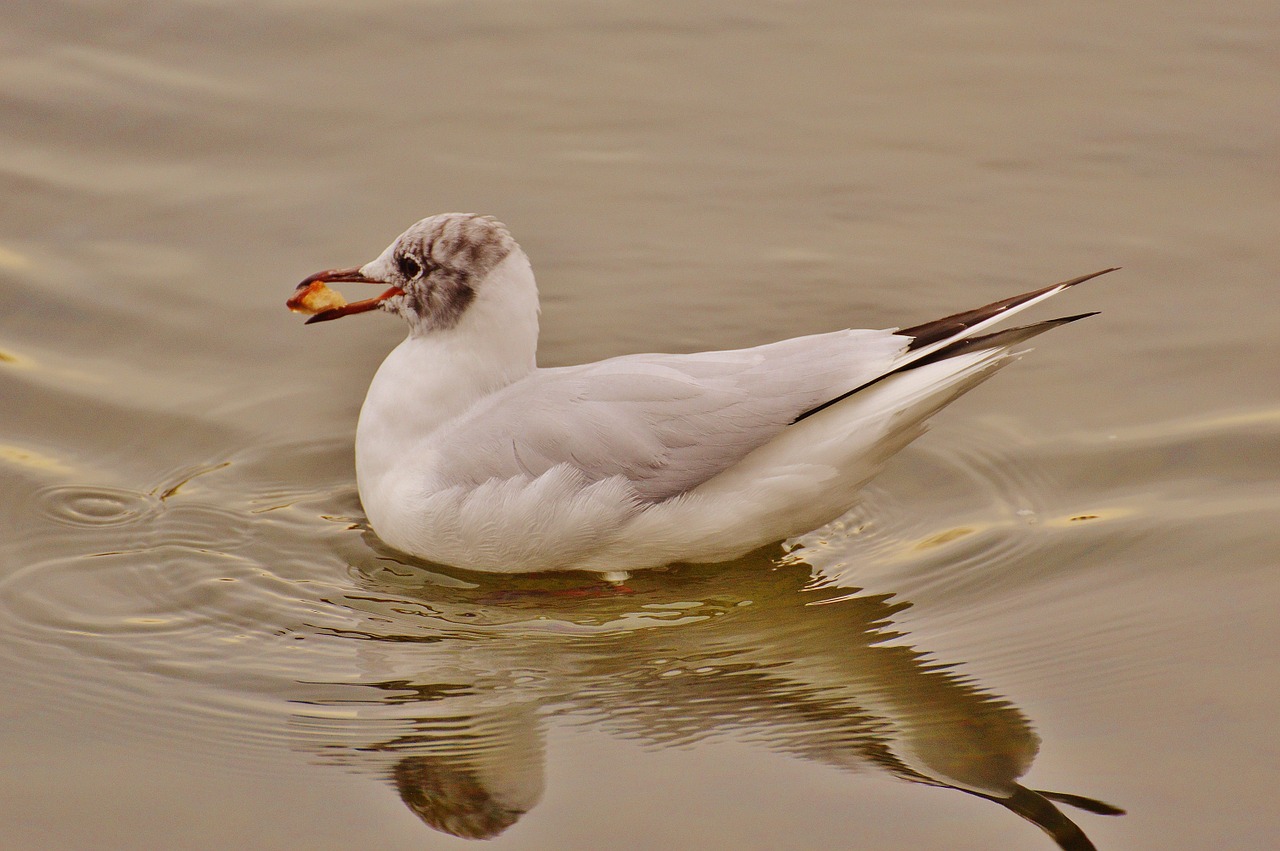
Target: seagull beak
{"type": "Point", "coordinates": [318, 282]}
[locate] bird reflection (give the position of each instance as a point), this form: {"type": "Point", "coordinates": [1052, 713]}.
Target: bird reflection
{"type": "Point", "coordinates": [459, 673]}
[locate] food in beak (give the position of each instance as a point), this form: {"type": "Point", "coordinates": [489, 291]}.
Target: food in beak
{"type": "Point", "coordinates": [316, 297]}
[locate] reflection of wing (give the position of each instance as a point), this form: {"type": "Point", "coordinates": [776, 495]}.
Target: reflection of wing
{"type": "Point", "coordinates": [823, 684]}
{"type": "Point", "coordinates": [666, 423]}
{"type": "Point", "coordinates": [474, 670]}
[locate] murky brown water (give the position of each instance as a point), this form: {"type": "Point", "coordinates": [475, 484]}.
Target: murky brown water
{"type": "Point", "coordinates": [203, 649]}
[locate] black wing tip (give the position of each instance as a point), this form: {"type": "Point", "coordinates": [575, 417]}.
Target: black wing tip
{"type": "Point", "coordinates": [1003, 338]}
{"type": "Point", "coordinates": [1088, 277]}
{"type": "Point", "coordinates": [1063, 320]}
{"type": "Point", "coordinates": [932, 332]}
{"type": "Point", "coordinates": [938, 330]}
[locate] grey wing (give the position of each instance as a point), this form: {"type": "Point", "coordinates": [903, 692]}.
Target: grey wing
{"type": "Point", "coordinates": [666, 423]}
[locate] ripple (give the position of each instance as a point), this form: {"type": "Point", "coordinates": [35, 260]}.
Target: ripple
{"type": "Point", "coordinates": [167, 594]}
{"type": "Point", "coordinates": [82, 506]}
{"type": "Point", "coordinates": [998, 518]}
{"type": "Point", "coordinates": [239, 597]}
{"type": "Point", "coordinates": [954, 520]}
{"type": "Point", "coordinates": [204, 526]}
{"type": "Point", "coordinates": [193, 602]}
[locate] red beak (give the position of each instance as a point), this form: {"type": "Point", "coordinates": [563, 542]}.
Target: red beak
{"type": "Point", "coordinates": [298, 301]}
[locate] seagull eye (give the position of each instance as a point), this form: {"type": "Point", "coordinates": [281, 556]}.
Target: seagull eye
{"type": "Point", "coordinates": [409, 266]}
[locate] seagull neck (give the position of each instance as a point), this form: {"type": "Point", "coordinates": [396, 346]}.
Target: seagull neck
{"type": "Point", "coordinates": [493, 343]}
{"type": "Point", "coordinates": [439, 376]}
{"type": "Point", "coordinates": [432, 377]}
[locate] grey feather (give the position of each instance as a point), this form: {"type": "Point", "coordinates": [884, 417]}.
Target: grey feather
{"type": "Point", "coordinates": [666, 423]}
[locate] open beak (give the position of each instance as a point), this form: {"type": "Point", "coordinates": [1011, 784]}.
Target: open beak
{"type": "Point", "coordinates": [314, 296]}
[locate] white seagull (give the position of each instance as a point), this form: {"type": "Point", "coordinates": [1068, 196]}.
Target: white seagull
{"type": "Point", "coordinates": [470, 454]}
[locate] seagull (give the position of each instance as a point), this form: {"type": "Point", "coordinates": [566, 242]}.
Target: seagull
{"type": "Point", "coordinates": [470, 454]}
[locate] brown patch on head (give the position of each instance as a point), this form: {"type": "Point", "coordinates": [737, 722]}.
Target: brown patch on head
{"type": "Point", "coordinates": [466, 242]}
{"type": "Point", "coordinates": [454, 252]}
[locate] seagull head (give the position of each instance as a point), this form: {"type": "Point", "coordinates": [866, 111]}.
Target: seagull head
{"type": "Point", "coordinates": [431, 273]}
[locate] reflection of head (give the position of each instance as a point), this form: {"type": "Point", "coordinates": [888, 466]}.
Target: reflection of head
{"type": "Point", "coordinates": [451, 799]}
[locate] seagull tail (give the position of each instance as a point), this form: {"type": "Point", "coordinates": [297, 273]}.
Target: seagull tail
{"type": "Point", "coordinates": [960, 333]}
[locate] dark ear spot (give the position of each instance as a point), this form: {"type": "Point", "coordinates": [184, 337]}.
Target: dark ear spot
{"type": "Point", "coordinates": [450, 296]}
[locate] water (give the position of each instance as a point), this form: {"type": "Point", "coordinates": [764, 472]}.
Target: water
{"type": "Point", "coordinates": [1070, 580]}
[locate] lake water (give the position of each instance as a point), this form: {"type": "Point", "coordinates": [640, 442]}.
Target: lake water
{"type": "Point", "coordinates": [1071, 579]}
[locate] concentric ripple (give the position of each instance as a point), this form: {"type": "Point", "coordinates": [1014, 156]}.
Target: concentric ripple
{"type": "Point", "coordinates": [957, 520]}
{"type": "Point", "coordinates": [185, 593]}
{"type": "Point", "coordinates": [89, 507]}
